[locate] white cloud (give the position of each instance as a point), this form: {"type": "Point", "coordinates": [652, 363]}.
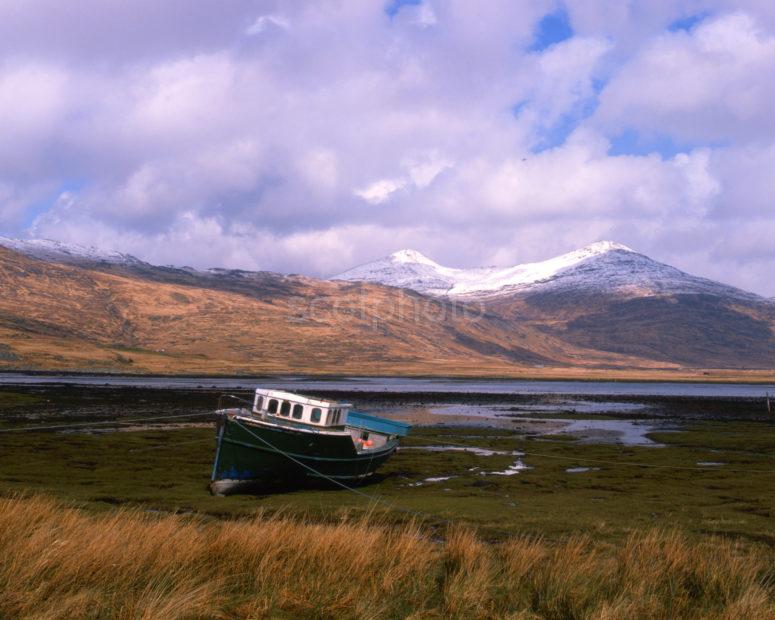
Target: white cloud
{"type": "Point", "coordinates": [266, 21]}
{"type": "Point", "coordinates": [189, 147]}
{"type": "Point", "coordinates": [699, 86]}
{"type": "Point", "coordinates": [379, 191]}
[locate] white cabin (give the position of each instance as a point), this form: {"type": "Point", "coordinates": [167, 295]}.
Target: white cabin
{"type": "Point", "coordinates": [296, 408]}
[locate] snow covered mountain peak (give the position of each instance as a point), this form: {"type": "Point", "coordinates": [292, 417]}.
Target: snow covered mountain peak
{"type": "Point", "coordinates": [411, 256]}
{"type": "Point", "coordinates": [601, 267]}
{"type": "Point", "coordinates": [601, 247]}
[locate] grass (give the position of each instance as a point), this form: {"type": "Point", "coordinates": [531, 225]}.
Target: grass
{"type": "Point", "coordinates": [169, 470]}
{"type": "Point", "coordinates": [59, 562]}
{"type": "Point", "coordinates": [121, 525]}
{"type": "Point", "coordinates": [10, 400]}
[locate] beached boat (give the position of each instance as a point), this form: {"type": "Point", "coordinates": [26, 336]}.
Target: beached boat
{"type": "Point", "coordinates": [288, 437]}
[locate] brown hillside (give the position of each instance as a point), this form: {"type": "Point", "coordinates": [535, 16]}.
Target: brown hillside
{"type": "Point", "coordinates": [161, 320]}
{"type": "Point", "coordinates": [55, 316]}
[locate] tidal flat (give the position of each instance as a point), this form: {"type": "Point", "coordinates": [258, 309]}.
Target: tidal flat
{"type": "Point", "coordinates": [537, 465]}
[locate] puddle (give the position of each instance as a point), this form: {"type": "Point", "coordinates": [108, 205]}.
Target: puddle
{"type": "Point", "coordinates": [471, 449]}
{"type": "Point", "coordinates": [710, 463]}
{"type": "Point", "coordinates": [435, 479]}
{"type": "Point", "coordinates": [625, 432]}
{"type": "Point", "coordinates": [578, 470]}
{"type": "Point", "coordinates": [511, 470]}
{"type": "Point", "coordinates": [629, 432]}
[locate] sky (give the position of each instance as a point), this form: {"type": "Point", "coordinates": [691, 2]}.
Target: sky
{"type": "Point", "coordinates": [311, 136]}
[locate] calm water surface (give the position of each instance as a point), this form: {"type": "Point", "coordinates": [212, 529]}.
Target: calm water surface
{"type": "Point", "coordinates": [403, 385]}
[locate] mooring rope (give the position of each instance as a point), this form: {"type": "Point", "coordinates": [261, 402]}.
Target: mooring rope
{"type": "Point", "coordinates": [373, 498]}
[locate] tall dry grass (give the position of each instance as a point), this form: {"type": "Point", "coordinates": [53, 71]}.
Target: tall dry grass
{"type": "Point", "coordinates": [58, 562]}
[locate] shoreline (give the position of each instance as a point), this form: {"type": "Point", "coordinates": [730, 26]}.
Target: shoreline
{"type": "Point", "coordinates": [668, 378]}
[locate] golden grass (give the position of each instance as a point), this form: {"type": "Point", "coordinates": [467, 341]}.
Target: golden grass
{"type": "Point", "coordinates": [58, 562]}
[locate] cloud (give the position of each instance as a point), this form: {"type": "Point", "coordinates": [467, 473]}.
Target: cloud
{"type": "Point", "coordinates": [267, 21]}
{"type": "Point", "coordinates": [379, 191]}
{"type": "Point", "coordinates": [705, 85]}
{"type": "Point", "coordinates": [310, 136]}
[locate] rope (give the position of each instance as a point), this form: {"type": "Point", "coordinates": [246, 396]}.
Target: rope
{"type": "Point", "coordinates": [372, 498]}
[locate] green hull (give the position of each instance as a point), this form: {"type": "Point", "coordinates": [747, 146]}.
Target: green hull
{"type": "Point", "coordinates": [252, 454]}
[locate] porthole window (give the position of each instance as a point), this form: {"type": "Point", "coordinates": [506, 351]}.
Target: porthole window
{"type": "Point", "coordinates": [285, 408]}
{"type": "Point", "coordinates": [315, 417]}
{"type": "Point", "coordinates": [297, 411]}
{"type": "Point", "coordinates": [272, 407]}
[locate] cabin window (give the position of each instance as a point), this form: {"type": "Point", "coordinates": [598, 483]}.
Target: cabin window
{"type": "Point", "coordinates": [297, 411]}
{"type": "Point", "coordinates": [315, 417]}
{"type": "Point", "coordinates": [285, 408]}
{"type": "Point", "coordinates": [272, 407]}
{"type": "Point", "coordinates": [259, 402]}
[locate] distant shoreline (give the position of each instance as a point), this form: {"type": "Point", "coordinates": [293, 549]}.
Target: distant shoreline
{"type": "Point", "coordinates": [667, 378]}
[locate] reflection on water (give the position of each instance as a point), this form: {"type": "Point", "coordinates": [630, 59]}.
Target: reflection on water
{"type": "Point", "coordinates": [630, 432]}
{"type": "Point", "coordinates": [579, 470]}
{"type": "Point", "coordinates": [511, 470]}
{"type": "Point", "coordinates": [471, 449]}
{"type": "Point", "coordinates": [627, 432]}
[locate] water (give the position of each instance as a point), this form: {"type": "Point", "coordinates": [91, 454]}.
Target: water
{"type": "Point", "coordinates": [629, 433]}
{"type": "Point", "coordinates": [472, 449]}
{"type": "Point", "coordinates": [408, 385]}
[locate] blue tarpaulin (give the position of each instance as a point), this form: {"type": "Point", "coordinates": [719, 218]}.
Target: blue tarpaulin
{"type": "Point", "coordinates": [378, 425]}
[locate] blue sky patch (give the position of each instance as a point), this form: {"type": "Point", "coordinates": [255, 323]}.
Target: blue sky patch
{"type": "Point", "coordinates": [688, 22]}
{"type": "Point", "coordinates": [553, 28]}
{"type": "Point", "coordinates": [394, 6]}
{"type": "Point", "coordinates": [632, 142]}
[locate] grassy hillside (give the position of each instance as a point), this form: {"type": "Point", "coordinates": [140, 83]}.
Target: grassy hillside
{"type": "Point", "coordinates": [161, 320]}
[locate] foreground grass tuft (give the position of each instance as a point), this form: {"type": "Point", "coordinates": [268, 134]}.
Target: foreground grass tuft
{"type": "Point", "coordinates": [58, 562]}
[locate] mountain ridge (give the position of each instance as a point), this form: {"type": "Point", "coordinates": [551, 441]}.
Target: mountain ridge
{"type": "Point", "coordinates": [600, 267]}
{"type": "Point", "coordinates": [93, 315]}
{"type": "Point", "coordinates": [604, 266]}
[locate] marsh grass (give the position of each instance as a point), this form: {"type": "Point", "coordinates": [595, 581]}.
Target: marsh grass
{"type": "Point", "coordinates": [60, 562]}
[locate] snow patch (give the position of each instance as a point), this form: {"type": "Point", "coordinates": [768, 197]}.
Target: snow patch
{"type": "Point", "coordinates": [47, 249]}
{"type": "Point", "coordinates": [604, 266]}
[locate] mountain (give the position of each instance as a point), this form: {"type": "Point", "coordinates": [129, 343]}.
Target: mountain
{"type": "Point", "coordinates": [603, 311]}
{"type": "Point", "coordinates": [67, 253]}
{"type": "Point", "coordinates": [604, 297]}
{"type": "Point", "coordinates": [56, 316]}
{"type": "Point", "coordinates": [602, 267]}
{"type": "Point", "coordinates": [259, 284]}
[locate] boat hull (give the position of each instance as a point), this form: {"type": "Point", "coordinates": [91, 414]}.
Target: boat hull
{"type": "Point", "coordinates": [251, 454]}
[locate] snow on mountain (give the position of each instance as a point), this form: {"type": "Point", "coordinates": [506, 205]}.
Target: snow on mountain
{"type": "Point", "coordinates": [604, 266]}
{"type": "Point", "coordinates": [48, 250]}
